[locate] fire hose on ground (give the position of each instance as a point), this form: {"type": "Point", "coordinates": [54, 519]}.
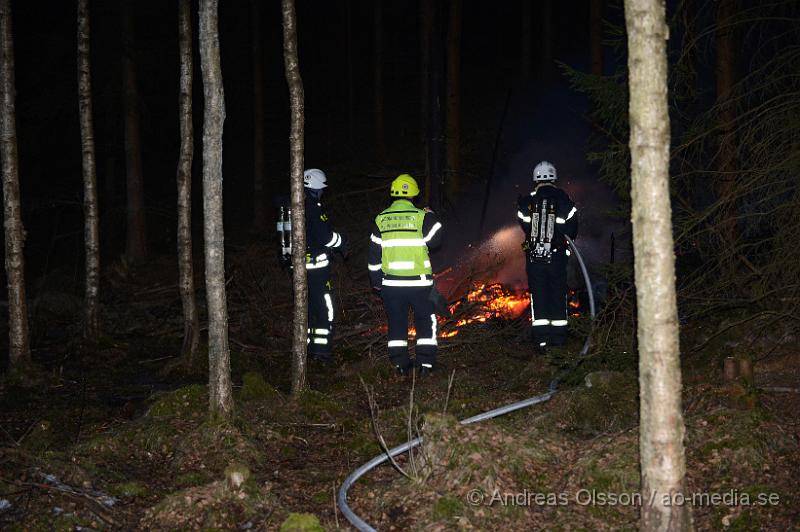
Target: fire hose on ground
{"type": "Point", "coordinates": [341, 499]}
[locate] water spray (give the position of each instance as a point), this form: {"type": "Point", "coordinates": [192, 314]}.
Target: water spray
{"type": "Point", "coordinates": [341, 498]}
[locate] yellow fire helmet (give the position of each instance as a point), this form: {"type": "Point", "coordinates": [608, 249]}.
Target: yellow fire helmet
{"type": "Point", "coordinates": [404, 186]}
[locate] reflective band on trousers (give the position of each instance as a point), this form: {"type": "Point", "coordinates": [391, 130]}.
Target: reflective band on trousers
{"type": "Point", "coordinates": [410, 282]}
{"type": "Point", "coordinates": [376, 239]}
{"type": "Point", "coordinates": [316, 265]}
{"type": "Point", "coordinates": [374, 267]}
{"type": "Point", "coordinates": [318, 331]}
{"type": "Point", "coordinates": [320, 340]}
{"type": "Point", "coordinates": [537, 323]}
{"type": "Point", "coordinates": [397, 343]}
{"type": "Point", "coordinates": [329, 304]}
{"type": "Point", "coordinates": [336, 239]}
{"type": "Point", "coordinates": [432, 339]}
{"type": "Point", "coordinates": [559, 323]}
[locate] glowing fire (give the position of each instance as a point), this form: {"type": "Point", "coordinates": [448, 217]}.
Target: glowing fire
{"type": "Point", "coordinates": [491, 301]}
{"type": "Point", "coordinates": [487, 302]}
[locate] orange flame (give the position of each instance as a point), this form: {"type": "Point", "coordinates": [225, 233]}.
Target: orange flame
{"type": "Point", "coordinates": [491, 301]}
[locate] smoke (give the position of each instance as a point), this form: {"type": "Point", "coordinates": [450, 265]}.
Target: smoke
{"type": "Point", "coordinates": [541, 126]}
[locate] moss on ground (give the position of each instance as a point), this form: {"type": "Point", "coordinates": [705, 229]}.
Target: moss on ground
{"type": "Point", "coordinates": [128, 489]}
{"type": "Point", "coordinates": [39, 438]}
{"type": "Point", "coordinates": [213, 506]}
{"type": "Point", "coordinates": [609, 405]}
{"type": "Point", "coordinates": [255, 388]}
{"type": "Point", "coordinates": [317, 405]}
{"type": "Point", "coordinates": [189, 401]}
{"type": "Point", "coordinates": [447, 507]}
{"type": "Point", "coordinates": [302, 523]}
{"type": "Point", "coordinates": [745, 435]}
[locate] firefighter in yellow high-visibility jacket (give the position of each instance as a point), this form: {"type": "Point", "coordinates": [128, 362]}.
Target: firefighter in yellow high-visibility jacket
{"type": "Point", "coordinates": [400, 271]}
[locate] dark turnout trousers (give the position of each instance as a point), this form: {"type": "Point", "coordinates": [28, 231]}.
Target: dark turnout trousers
{"type": "Point", "coordinates": [320, 312]}
{"type": "Point", "coordinates": [548, 286]}
{"type": "Point", "coordinates": [396, 300]}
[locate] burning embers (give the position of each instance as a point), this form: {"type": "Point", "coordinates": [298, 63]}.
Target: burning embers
{"type": "Point", "coordinates": [487, 302]}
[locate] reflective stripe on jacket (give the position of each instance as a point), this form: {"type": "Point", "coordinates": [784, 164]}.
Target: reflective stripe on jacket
{"type": "Point", "coordinates": [403, 245]}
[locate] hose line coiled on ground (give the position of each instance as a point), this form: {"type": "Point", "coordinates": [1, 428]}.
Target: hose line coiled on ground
{"type": "Point", "coordinates": [341, 498]}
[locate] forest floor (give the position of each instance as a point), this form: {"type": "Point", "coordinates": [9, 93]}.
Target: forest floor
{"type": "Point", "coordinates": [113, 435]}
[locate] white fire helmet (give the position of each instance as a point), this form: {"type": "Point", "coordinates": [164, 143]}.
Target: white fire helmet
{"type": "Point", "coordinates": [314, 178]}
{"type": "Point", "coordinates": [544, 171]}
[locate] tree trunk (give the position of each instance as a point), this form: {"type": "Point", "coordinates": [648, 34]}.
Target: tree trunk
{"type": "Point", "coordinates": [425, 31]}
{"type": "Point", "coordinates": [726, 161]}
{"type": "Point", "coordinates": [596, 36]}
{"type": "Point", "coordinates": [349, 81]}
{"type": "Point", "coordinates": [380, 141]}
{"type": "Point", "coordinates": [525, 40]}
{"type": "Point", "coordinates": [136, 241]}
{"type": "Point", "coordinates": [191, 320]}
{"type": "Point", "coordinates": [453, 97]}
{"type": "Point", "coordinates": [108, 177]}
{"type": "Point", "coordinates": [259, 199]}
{"type": "Point", "coordinates": [546, 41]}
{"type": "Point", "coordinates": [295, 82]}
{"type": "Point", "coordinates": [219, 368]}
{"type": "Point", "coordinates": [19, 349]}
{"type": "Point", "coordinates": [90, 232]}
{"type": "Point", "coordinates": [436, 95]}
{"type": "Point", "coordinates": [661, 429]}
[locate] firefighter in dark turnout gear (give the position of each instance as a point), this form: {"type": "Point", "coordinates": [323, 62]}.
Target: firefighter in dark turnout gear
{"type": "Point", "coordinates": [400, 271]}
{"type": "Point", "coordinates": [321, 241]}
{"type": "Point", "coordinates": [546, 216]}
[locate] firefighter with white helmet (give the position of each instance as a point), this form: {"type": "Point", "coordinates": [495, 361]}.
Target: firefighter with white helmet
{"type": "Point", "coordinates": [321, 242]}
{"type": "Point", "coordinates": [546, 216]}
{"type": "Point", "coordinates": [400, 271]}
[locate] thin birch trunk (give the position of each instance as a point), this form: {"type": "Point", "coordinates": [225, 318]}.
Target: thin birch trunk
{"type": "Point", "coordinates": [295, 82]}
{"type": "Point", "coordinates": [91, 235]}
{"type": "Point", "coordinates": [136, 238]}
{"type": "Point", "coordinates": [19, 349]}
{"type": "Point", "coordinates": [220, 393]}
{"type": "Point", "coordinates": [661, 430]}
{"type": "Point", "coordinates": [259, 205]}
{"type": "Point", "coordinates": [191, 320]}
{"type": "Point", "coordinates": [380, 141]}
